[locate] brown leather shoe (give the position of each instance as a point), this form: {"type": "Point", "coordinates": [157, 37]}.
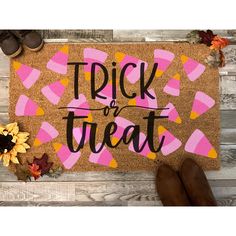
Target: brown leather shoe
{"type": "Point", "coordinates": [9, 44]}
{"type": "Point", "coordinates": [170, 188]}
{"type": "Point", "coordinates": [31, 39]}
{"type": "Point", "coordinates": [196, 184]}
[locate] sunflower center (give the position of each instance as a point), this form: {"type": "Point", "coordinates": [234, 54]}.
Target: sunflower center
{"type": "Point", "coordinates": [6, 143]}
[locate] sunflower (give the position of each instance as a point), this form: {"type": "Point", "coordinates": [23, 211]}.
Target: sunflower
{"type": "Point", "coordinates": [12, 141]}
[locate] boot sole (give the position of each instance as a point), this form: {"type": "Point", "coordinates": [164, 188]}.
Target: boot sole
{"type": "Point", "coordinates": [15, 54]}
{"type": "Point", "coordinates": [36, 49]}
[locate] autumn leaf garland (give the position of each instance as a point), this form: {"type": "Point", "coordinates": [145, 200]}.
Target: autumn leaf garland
{"type": "Point", "coordinates": [215, 42]}
{"type": "Point", "coordinates": [36, 169]}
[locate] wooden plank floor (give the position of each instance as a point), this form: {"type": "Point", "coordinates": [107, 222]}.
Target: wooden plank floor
{"type": "Point", "coordinates": [118, 188]}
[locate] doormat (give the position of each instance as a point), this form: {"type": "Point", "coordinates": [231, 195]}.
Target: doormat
{"type": "Point", "coordinates": [117, 106]}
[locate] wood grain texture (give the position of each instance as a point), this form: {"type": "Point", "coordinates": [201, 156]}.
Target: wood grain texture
{"type": "Point", "coordinates": [96, 193]}
{"type": "Point", "coordinates": [161, 35]}
{"type": "Point", "coordinates": [119, 188]}
{"type": "Point", "coordinates": [77, 34]}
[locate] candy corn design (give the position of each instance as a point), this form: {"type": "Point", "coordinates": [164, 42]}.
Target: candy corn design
{"type": "Point", "coordinates": [172, 113]}
{"type": "Point", "coordinates": [58, 63]}
{"type": "Point", "coordinates": [200, 145]}
{"type": "Point", "coordinates": [106, 92]}
{"type": "Point", "coordinates": [173, 85]}
{"type": "Point", "coordinates": [171, 143]}
{"type": "Point", "coordinates": [27, 107]}
{"type": "Point", "coordinates": [192, 68]}
{"type": "Point", "coordinates": [132, 73]}
{"type": "Point", "coordinates": [78, 132]}
{"type": "Point", "coordinates": [201, 104]}
{"type": "Point", "coordinates": [122, 123]}
{"type": "Point", "coordinates": [54, 91]}
{"type": "Point", "coordinates": [146, 152]}
{"type": "Point", "coordinates": [45, 134]}
{"type": "Point", "coordinates": [92, 55]}
{"type": "Point", "coordinates": [27, 74]}
{"type": "Point", "coordinates": [80, 103]}
{"type": "Point", "coordinates": [67, 158]}
{"type": "Point", "coordinates": [104, 157]}
{"type": "Point", "coordinates": [146, 102]}
{"type": "Point", "coordinates": [164, 59]}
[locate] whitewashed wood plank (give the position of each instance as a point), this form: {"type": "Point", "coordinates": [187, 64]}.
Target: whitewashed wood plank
{"type": "Point", "coordinates": [161, 35]}
{"type": "Point", "coordinates": [228, 136]}
{"type": "Point", "coordinates": [228, 101]}
{"type": "Point", "coordinates": [221, 202]}
{"type": "Point", "coordinates": [70, 203]}
{"type": "Point", "coordinates": [37, 192]}
{"type": "Point", "coordinates": [4, 65]}
{"type": "Point", "coordinates": [4, 118]}
{"type": "Point", "coordinates": [130, 192]}
{"type": "Point", "coordinates": [228, 84]}
{"type": "Point", "coordinates": [228, 118]}
{"type": "Point", "coordinates": [77, 34]}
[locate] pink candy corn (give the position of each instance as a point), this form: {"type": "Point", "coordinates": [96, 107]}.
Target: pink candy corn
{"type": "Point", "coordinates": [106, 92]}
{"type": "Point", "coordinates": [172, 113]}
{"type": "Point", "coordinates": [27, 74]}
{"type": "Point", "coordinates": [45, 134]}
{"type": "Point", "coordinates": [58, 63]}
{"type": "Point", "coordinates": [171, 143]}
{"type": "Point", "coordinates": [92, 55]}
{"type": "Point", "coordinates": [146, 102]}
{"type": "Point", "coordinates": [201, 104]}
{"type": "Point", "coordinates": [146, 152]}
{"type": "Point", "coordinates": [132, 74]}
{"type": "Point", "coordinates": [27, 107]}
{"type": "Point", "coordinates": [200, 145]}
{"type": "Point", "coordinates": [192, 68]}
{"type": "Point", "coordinates": [104, 158]}
{"type": "Point", "coordinates": [67, 158]}
{"type": "Point", "coordinates": [173, 85]}
{"type": "Point", "coordinates": [164, 59]}
{"type": "Point", "coordinates": [54, 91]}
{"type": "Point", "coordinates": [80, 103]}
{"type": "Point", "coordinates": [78, 132]}
{"type": "Point", "coordinates": [122, 123]}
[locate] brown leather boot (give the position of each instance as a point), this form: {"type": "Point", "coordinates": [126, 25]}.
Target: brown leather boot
{"type": "Point", "coordinates": [170, 188]}
{"type": "Point", "coordinates": [31, 39]}
{"type": "Point", "coordinates": [9, 44]}
{"type": "Point", "coordinates": [196, 184]}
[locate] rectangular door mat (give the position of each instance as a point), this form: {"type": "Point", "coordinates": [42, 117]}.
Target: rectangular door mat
{"type": "Point", "coordinates": [117, 106]}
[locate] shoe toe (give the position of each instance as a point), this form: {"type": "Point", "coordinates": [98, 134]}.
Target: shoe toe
{"type": "Point", "coordinates": [33, 40]}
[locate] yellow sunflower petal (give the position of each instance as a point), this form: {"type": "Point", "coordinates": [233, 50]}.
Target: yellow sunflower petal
{"type": "Point", "coordinates": [14, 159]}
{"type": "Point", "coordinates": [11, 126]}
{"type": "Point", "coordinates": [22, 135]}
{"type": "Point", "coordinates": [21, 140]}
{"type": "Point", "coordinates": [14, 139]}
{"type": "Point", "coordinates": [15, 130]}
{"type": "Point", "coordinates": [13, 152]}
{"type": "Point", "coordinates": [6, 159]}
{"type": "Point", "coordinates": [25, 145]}
{"type": "Point", "coordinates": [5, 133]}
{"type": "Point", "coordinates": [19, 148]}
{"type": "Point", "coordinates": [1, 129]}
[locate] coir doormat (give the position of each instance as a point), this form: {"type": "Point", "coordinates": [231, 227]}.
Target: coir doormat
{"type": "Point", "coordinates": [117, 106]}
